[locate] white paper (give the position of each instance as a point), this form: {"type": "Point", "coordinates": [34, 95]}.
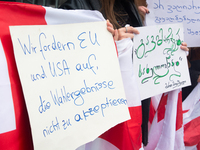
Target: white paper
{"type": "Point", "coordinates": [177, 11]}
{"type": "Point", "coordinates": [159, 63]}
{"type": "Point", "coordinates": [73, 93]}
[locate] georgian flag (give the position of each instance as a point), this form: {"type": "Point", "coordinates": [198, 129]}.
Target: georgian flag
{"type": "Point", "coordinates": [166, 131]}
{"type": "Point", "coordinates": [15, 131]}
{"type": "Point", "coordinates": [191, 119]}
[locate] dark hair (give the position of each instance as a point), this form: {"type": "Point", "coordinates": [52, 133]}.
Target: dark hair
{"type": "Point", "coordinates": [108, 10]}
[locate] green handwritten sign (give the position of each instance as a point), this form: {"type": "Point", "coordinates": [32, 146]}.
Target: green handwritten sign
{"type": "Point", "coordinates": [159, 63]}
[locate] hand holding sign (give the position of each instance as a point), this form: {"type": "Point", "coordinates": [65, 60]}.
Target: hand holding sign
{"type": "Point", "coordinates": [158, 61]}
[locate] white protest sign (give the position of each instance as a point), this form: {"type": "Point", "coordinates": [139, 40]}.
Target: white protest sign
{"type": "Point", "coordinates": [71, 82]}
{"type": "Point", "coordinates": [177, 11]}
{"type": "Point", "coordinates": [159, 63]}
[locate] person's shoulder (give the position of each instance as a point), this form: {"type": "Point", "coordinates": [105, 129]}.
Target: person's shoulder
{"type": "Point", "coordinates": [76, 4]}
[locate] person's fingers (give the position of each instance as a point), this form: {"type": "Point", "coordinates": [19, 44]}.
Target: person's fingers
{"type": "Point", "coordinates": [127, 32]}
{"type": "Point", "coordinates": [128, 29]}
{"type": "Point", "coordinates": [110, 27]}
{"type": "Point", "coordinates": [121, 33]}
{"type": "Point", "coordinates": [128, 35]}
{"type": "Point", "coordinates": [125, 35]}
{"type": "Point", "coordinates": [144, 10]}
{"type": "Point", "coordinates": [109, 24]}
{"type": "Point", "coordinates": [111, 30]}
{"type": "Point", "coordinates": [184, 46]}
{"type": "Point", "coordinates": [116, 36]}
{"type": "Point", "coordinates": [131, 29]}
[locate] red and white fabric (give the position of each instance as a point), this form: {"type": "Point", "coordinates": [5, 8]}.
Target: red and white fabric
{"type": "Point", "coordinates": [191, 119]}
{"type": "Point", "coordinates": [15, 131]}
{"type": "Point", "coordinates": [166, 132]}
{"type": "Point", "coordinates": [155, 100]}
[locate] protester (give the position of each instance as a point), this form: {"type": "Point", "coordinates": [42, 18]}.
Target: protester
{"type": "Point", "coordinates": [120, 13]}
